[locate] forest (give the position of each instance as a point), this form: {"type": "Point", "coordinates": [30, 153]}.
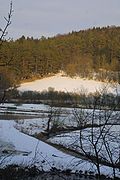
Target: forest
{"type": "Point", "coordinates": [92, 53]}
{"type": "Point", "coordinates": [55, 134]}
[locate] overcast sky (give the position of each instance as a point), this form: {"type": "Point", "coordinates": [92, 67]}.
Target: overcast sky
{"type": "Point", "coordinates": [50, 17]}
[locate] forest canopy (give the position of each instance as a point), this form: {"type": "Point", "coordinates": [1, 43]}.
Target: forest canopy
{"type": "Point", "coordinates": [87, 53]}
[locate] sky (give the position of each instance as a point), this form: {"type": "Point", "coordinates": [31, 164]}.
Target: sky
{"type": "Point", "coordinates": [48, 18]}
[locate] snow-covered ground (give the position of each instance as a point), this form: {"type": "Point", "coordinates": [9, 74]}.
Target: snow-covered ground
{"type": "Point", "coordinates": [33, 118]}
{"type": "Point", "coordinates": [39, 153]}
{"type": "Point", "coordinates": [72, 140]}
{"type": "Point", "coordinates": [30, 151]}
{"type": "Point", "coordinates": [68, 84]}
{"type": "Point", "coordinates": [16, 146]}
{"type": "Point", "coordinates": [25, 106]}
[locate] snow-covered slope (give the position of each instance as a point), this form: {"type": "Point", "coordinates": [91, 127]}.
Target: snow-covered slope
{"type": "Point", "coordinates": [26, 150]}
{"type": "Point", "coordinates": [68, 84]}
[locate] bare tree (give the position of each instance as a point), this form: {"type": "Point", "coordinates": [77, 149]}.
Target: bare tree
{"type": "Point", "coordinates": [8, 22]}
{"type": "Point", "coordinates": [97, 141]}
{"type": "Point", "coordinates": [53, 122]}
{"type": "Point", "coordinates": [5, 81]}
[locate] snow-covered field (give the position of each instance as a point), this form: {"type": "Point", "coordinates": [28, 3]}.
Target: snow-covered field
{"type": "Point", "coordinates": [68, 84]}
{"type": "Point", "coordinates": [37, 152]}
{"type": "Point", "coordinates": [72, 140]}
{"type": "Point", "coordinates": [33, 118]}
{"type": "Point", "coordinates": [16, 146]}
{"type": "Point", "coordinates": [30, 109]}
{"type": "Point", "coordinates": [26, 150]}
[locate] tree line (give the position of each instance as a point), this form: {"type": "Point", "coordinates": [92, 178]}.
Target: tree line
{"type": "Point", "coordinates": [87, 53]}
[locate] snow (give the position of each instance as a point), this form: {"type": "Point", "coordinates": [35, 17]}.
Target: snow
{"type": "Point", "coordinates": [15, 138]}
{"type": "Point", "coordinates": [26, 143]}
{"type": "Point", "coordinates": [23, 109]}
{"type": "Point", "coordinates": [68, 84]}
{"type": "Point", "coordinates": [22, 148]}
{"type": "Point", "coordinates": [32, 126]}
{"type": "Point", "coordinates": [33, 118]}
{"type": "Point", "coordinates": [72, 140]}
{"type": "Point", "coordinates": [39, 153]}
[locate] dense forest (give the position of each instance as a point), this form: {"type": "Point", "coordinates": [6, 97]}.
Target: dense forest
{"type": "Point", "coordinates": [87, 53]}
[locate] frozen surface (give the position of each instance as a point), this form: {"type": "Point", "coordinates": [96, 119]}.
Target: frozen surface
{"type": "Point", "coordinates": [23, 109]}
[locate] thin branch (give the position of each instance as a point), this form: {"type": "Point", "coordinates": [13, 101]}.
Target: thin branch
{"type": "Point", "coordinates": [8, 22]}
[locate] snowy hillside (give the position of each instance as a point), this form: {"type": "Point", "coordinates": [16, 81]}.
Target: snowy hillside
{"type": "Point", "coordinates": [68, 84]}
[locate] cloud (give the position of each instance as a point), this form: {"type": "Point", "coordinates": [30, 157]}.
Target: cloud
{"type": "Point", "coordinates": [50, 17]}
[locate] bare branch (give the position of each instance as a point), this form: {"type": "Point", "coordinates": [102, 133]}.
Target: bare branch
{"type": "Point", "coordinates": [8, 22]}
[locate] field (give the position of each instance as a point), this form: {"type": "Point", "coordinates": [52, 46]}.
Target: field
{"type": "Point", "coordinates": [63, 83]}
{"type": "Point", "coordinates": [26, 140]}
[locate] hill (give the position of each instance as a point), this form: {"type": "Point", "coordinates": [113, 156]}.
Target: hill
{"type": "Point", "coordinates": [66, 84]}
{"type": "Point", "coordinates": [87, 53]}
